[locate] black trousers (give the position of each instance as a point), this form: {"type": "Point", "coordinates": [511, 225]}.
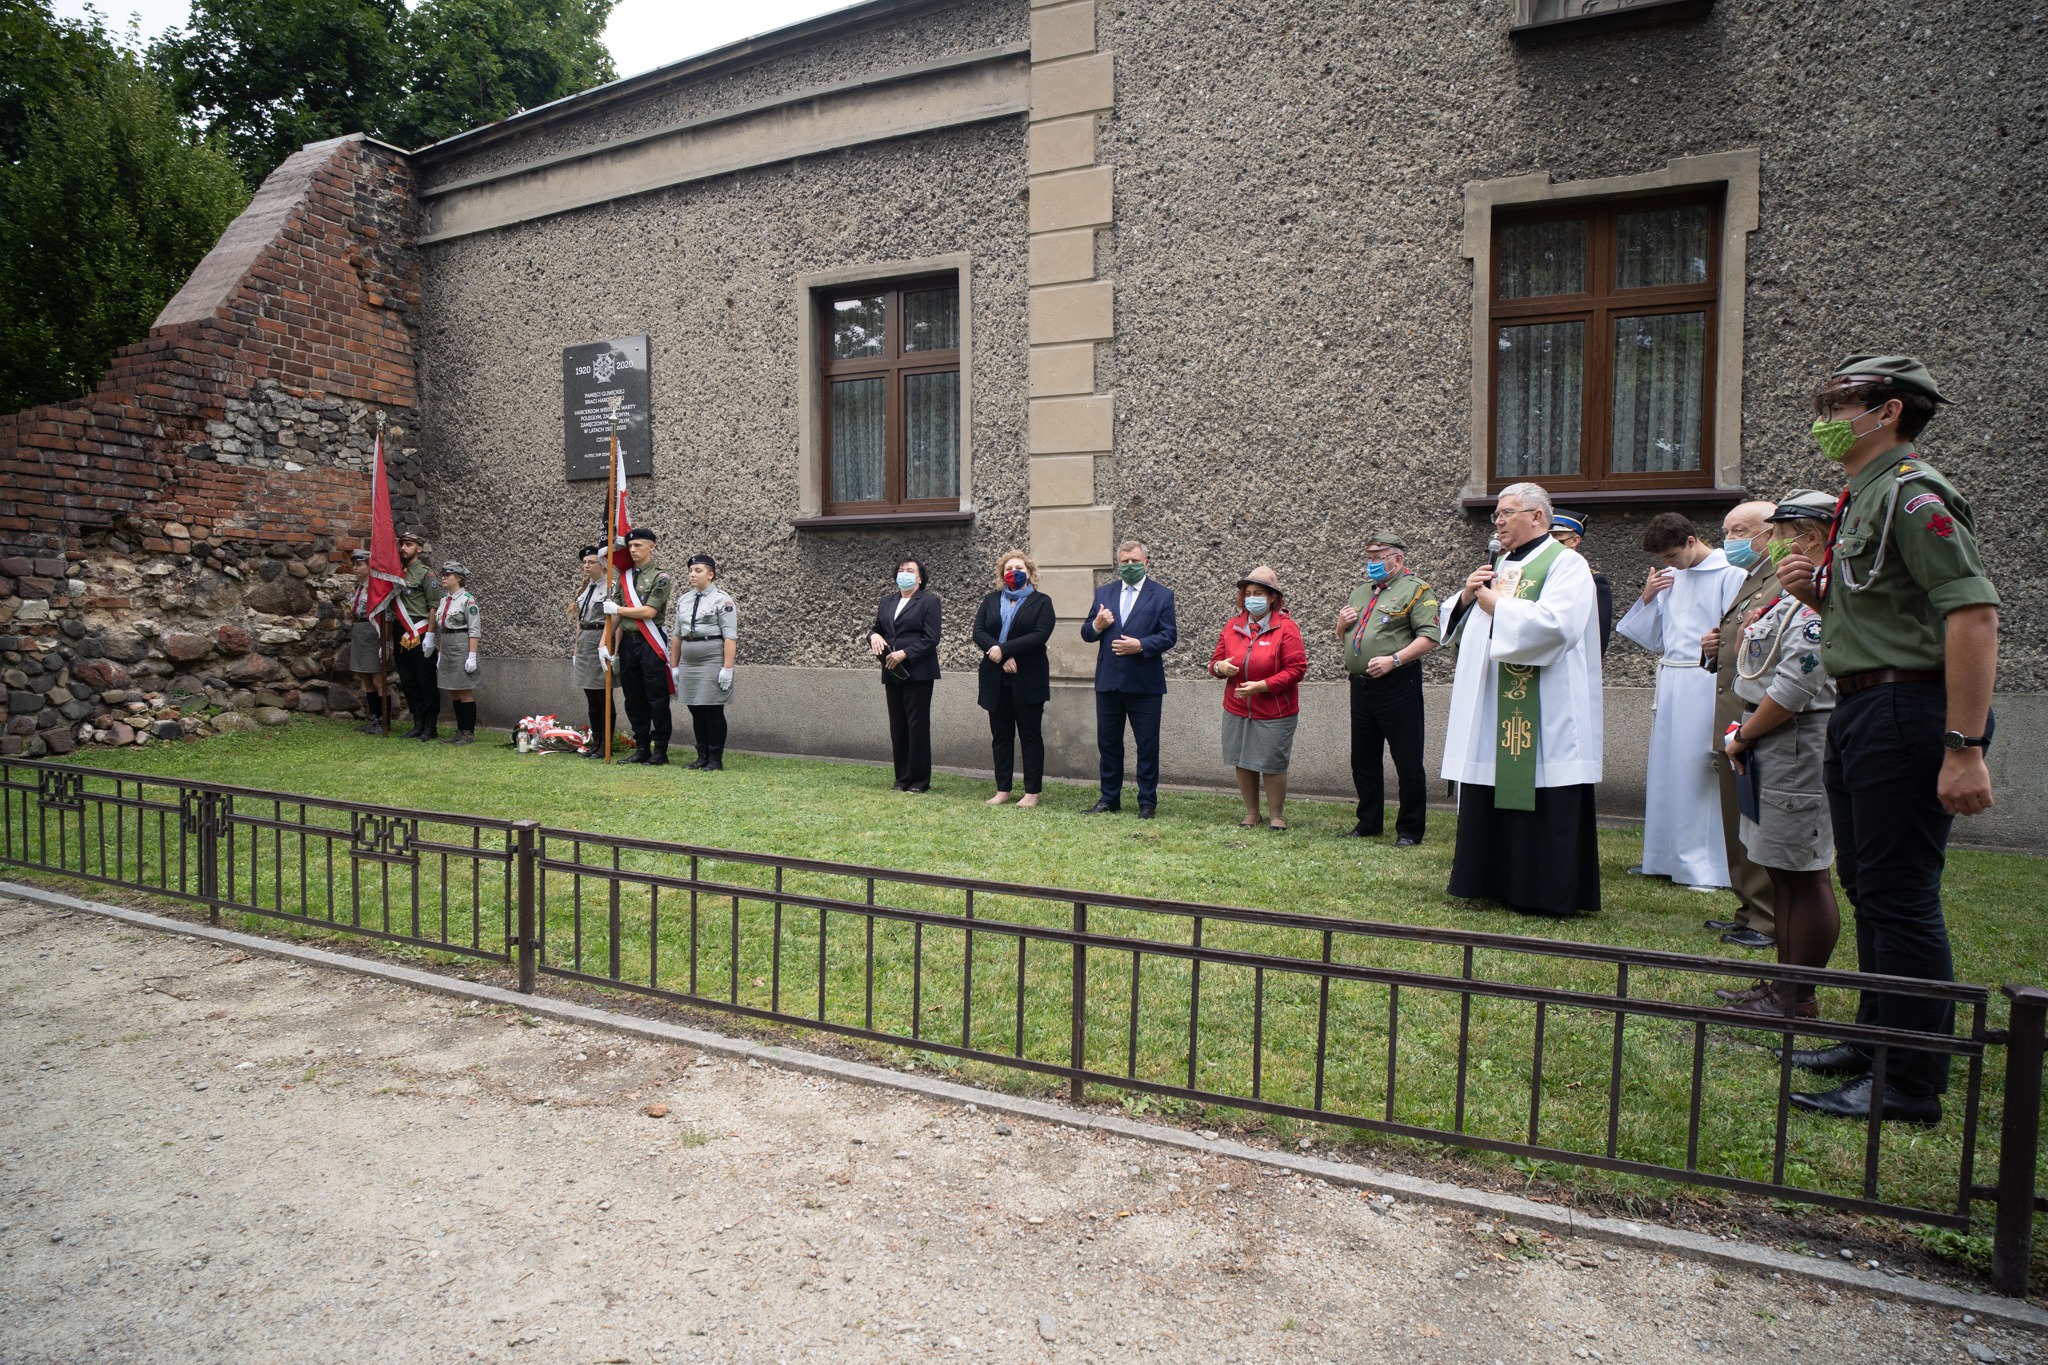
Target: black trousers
{"type": "Point", "coordinates": [1142, 711]}
{"type": "Point", "coordinates": [416, 681]}
{"type": "Point", "coordinates": [593, 703]}
{"type": "Point", "coordinates": [910, 730]}
{"type": "Point", "coordinates": [1009, 722]}
{"type": "Point", "coordinates": [643, 677]}
{"type": "Point", "coordinates": [1388, 712]}
{"type": "Point", "coordinates": [707, 725]}
{"type": "Point", "coordinates": [1883, 761]}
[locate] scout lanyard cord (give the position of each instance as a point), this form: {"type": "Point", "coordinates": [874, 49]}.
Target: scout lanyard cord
{"type": "Point", "coordinates": [1770, 653]}
{"type": "Point", "coordinates": [1884, 536]}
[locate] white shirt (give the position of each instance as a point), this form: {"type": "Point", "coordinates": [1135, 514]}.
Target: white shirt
{"type": "Point", "coordinates": [901, 603]}
{"type": "Point", "coordinates": [1128, 600]}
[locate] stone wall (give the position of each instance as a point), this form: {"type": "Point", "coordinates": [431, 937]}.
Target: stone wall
{"type": "Point", "coordinates": [169, 545]}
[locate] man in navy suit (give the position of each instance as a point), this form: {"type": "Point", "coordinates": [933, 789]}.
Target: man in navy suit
{"type": "Point", "coordinates": [1131, 624]}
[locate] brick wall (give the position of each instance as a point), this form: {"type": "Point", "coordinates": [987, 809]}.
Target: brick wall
{"type": "Point", "coordinates": [227, 450]}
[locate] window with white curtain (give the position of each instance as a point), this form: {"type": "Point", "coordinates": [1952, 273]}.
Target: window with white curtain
{"type": "Point", "coordinates": [890, 372]}
{"type": "Point", "coordinates": [1603, 325]}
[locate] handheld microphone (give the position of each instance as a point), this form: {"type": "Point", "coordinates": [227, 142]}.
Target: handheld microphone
{"type": "Point", "coordinates": [1494, 547]}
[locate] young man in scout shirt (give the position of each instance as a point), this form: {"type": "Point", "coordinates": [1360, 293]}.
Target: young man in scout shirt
{"type": "Point", "coordinates": [1909, 633]}
{"type": "Point", "coordinates": [645, 658]}
{"type": "Point", "coordinates": [414, 603]}
{"type": "Point", "coordinates": [1386, 628]}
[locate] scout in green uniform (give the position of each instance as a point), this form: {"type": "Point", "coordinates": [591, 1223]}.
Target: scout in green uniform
{"type": "Point", "coordinates": [1386, 628]}
{"type": "Point", "coordinates": [414, 604]}
{"type": "Point", "coordinates": [1909, 633]}
{"type": "Point", "coordinates": [645, 661]}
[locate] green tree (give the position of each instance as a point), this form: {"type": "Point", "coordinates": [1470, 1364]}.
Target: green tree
{"type": "Point", "coordinates": [477, 61]}
{"type": "Point", "coordinates": [106, 202]}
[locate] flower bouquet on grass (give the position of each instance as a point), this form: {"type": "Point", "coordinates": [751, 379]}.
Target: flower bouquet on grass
{"type": "Point", "coordinates": [545, 735]}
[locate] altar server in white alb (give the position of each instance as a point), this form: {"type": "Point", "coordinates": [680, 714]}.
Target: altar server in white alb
{"type": "Point", "coordinates": [1523, 738]}
{"type": "Point", "coordinates": [1682, 603]}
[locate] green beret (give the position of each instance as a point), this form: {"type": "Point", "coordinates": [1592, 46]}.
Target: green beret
{"type": "Point", "coordinates": [1903, 370]}
{"type": "Point", "coordinates": [1390, 539]}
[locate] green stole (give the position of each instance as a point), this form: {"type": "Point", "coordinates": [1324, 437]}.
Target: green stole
{"type": "Point", "coordinates": [1519, 701]}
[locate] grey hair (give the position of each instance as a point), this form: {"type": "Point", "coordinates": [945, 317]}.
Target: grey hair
{"type": "Point", "coordinates": [1530, 495]}
{"type": "Point", "coordinates": [1131, 545]}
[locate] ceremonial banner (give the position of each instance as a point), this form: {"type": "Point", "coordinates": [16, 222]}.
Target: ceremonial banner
{"type": "Point", "coordinates": [387, 572]}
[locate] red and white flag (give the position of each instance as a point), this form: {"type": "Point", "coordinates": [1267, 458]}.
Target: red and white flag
{"type": "Point", "coordinates": [622, 560]}
{"type": "Point", "coordinates": [387, 571]}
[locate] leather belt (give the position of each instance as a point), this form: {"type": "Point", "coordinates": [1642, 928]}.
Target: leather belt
{"type": "Point", "coordinates": [1856, 682]}
{"type": "Point", "coordinates": [593, 625]}
{"type": "Point", "coordinates": [700, 639]}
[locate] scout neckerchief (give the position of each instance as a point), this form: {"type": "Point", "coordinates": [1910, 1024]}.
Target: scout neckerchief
{"type": "Point", "coordinates": [650, 630]}
{"type": "Point", "coordinates": [1519, 700]}
{"type": "Point", "coordinates": [360, 607]}
{"type": "Point", "coordinates": [1365, 617]}
{"type": "Point", "coordinates": [460, 598]}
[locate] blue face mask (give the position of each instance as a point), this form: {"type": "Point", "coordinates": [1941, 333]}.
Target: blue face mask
{"type": "Point", "coordinates": [1741, 553]}
{"type": "Point", "coordinates": [905, 582]}
{"type": "Point", "coordinates": [1376, 572]}
{"type": "Point", "coordinates": [1255, 605]}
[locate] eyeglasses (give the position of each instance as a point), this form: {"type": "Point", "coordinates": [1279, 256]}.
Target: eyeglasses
{"type": "Point", "coordinates": [1510, 513]}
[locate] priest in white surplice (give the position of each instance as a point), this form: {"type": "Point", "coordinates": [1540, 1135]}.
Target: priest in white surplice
{"type": "Point", "coordinates": [1682, 602]}
{"type": "Point", "coordinates": [1523, 740]}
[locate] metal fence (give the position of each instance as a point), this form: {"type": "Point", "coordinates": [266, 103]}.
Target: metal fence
{"type": "Point", "coordinates": [1575, 1054]}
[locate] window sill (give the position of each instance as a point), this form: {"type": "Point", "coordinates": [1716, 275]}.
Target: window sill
{"type": "Point", "coordinates": [1621, 497]}
{"type": "Point", "coordinates": [861, 521]}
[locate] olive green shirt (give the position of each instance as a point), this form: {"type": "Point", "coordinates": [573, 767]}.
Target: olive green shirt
{"type": "Point", "coordinates": [1390, 614]}
{"type": "Point", "coordinates": [655, 590]}
{"type": "Point", "coordinates": [1929, 567]}
{"type": "Point", "coordinates": [421, 592]}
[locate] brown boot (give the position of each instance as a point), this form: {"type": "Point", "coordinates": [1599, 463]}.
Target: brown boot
{"type": "Point", "coordinates": [1750, 992]}
{"type": "Point", "coordinates": [1772, 1004]}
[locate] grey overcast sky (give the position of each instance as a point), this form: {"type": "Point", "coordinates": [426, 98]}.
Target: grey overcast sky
{"type": "Point", "coordinates": [643, 34]}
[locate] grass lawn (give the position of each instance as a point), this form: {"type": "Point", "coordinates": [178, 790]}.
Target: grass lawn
{"type": "Point", "coordinates": [1193, 852]}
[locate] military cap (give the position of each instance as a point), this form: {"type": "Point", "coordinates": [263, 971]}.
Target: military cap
{"type": "Point", "coordinates": [641, 533]}
{"type": "Point", "coordinates": [1903, 370]}
{"type": "Point", "coordinates": [1574, 522]}
{"type": "Point", "coordinates": [1391, 539]}
{"type": "Point", "coordinates": [413, 534]}
{"type": "Point", "coordinates": [586, 552]}
{"type": "Point", "coordinates": [454, 566]}
{"type": "Point", "coordinates": [1803, 504]}
{"type": "Point", "coordinates": [360, 556]}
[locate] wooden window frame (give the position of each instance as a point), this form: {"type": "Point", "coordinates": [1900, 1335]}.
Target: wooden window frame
{"type": "Point", "coordinates": [893, 368]}
{"type": "Point", "coordinates": [1598, 307]}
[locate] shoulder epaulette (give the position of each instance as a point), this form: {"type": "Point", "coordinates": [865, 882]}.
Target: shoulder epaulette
{"type": "Point", "coordinates": [1422, 587]}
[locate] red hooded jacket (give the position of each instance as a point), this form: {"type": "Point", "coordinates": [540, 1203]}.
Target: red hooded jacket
{"type": "Point", "coordinates": [1273, 654]}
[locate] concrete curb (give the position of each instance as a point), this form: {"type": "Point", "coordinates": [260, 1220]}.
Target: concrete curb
{"type": "Point", "coordinates": [1496, 1207]}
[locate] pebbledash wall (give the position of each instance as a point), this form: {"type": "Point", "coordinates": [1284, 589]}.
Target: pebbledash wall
{"type": "Point", "coordinates": [1219, 263]}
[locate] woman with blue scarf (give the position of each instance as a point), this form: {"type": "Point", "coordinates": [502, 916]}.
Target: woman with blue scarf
{"type": "Point", "coordinates": [1011, 631]}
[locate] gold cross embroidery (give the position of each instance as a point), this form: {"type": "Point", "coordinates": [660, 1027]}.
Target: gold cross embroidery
{"type": "Point", "coordinates": [1515, 735]}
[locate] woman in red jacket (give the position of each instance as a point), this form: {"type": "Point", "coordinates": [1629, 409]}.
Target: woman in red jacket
{"type": "Point", "coordinates": [1262, 661]}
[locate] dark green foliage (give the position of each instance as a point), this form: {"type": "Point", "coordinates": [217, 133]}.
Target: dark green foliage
{"type": "Point", "coordinates": [106, 202]}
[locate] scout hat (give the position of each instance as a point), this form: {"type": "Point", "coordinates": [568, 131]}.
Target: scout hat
{"type": "Point", "coordinates": [360, 556]}
{"type": "Point", "coordinates": [1803, 504]}
{"type": "Point", "coordinates": [454, 566]}
{"type": "Point", "coordinates": [1391, 539]}
{"type": "Point", "coordinates": [1262, 577]}
{"type": "Point", "coordinates": [1903, 370]}
{"type": "Point", "coordinates": [1574, 522]}
{"type": "Point", "coordinates": [413, 534]}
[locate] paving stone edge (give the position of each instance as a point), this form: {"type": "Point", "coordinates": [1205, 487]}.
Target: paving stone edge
{"type": "Point", "coordinates": [1509, 1208]}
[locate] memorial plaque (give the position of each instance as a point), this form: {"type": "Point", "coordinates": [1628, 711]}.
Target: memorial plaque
{"type": "Point", "coordinates": [593, 374]}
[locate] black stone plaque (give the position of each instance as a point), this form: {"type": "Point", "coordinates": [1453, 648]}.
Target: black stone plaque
{"type": "Point", "coordinates": [593, 374]}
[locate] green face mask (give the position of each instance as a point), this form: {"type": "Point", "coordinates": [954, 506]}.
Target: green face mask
{"type": "Point", "coordinates": [1131, 573]}
{"type": "Point", "coordinates": [1835, 438]}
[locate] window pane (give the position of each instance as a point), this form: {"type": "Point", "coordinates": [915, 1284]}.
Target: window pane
{"type": "Point", "coordinates": [1660, 246]}
{"type": "Point", "coordinates": [1659, 366]}
{"type": "Point", "coordinates": [857, 329]}
{"type": "Point", "coordinates": [1543, 258]}
{"type": "Point", "coordinates": [1536, 406]}
{"type": "Point", "coordinates": [858, 453]}
{"type": "Point", "coordinates": [931, 433]}
{"type": "Point", "coordinates": [931, 320]}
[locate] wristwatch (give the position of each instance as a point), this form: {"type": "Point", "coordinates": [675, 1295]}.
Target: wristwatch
{"type": "Point", "coordinates": [1957, 740]}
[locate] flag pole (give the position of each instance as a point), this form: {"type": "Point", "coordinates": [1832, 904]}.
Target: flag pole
{"type": "Point", "coordinates": [611, 568]}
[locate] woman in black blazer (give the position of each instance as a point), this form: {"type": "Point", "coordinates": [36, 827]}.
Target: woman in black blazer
{"type": "Point", "coordinates": [905, 637]}
{"type": "Point", "coordinates": [1011, 631]}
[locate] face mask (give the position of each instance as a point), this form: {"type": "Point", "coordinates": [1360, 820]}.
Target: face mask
{"type": "Point", "coordinates": [1778, 549]}
{"type": "Point", "coordinates": [1741, 553]}
{"type": "Point", "coordinates": [1376, 572]}
{"type": "Point", "coordinates": [1255, 605]}
{"type": "Point", "coordinates": [1835, 438]}
{"type": "Point", "coordinates": [905, 582]}
{"type": "Point", "coordinates": [1133, 574]}
{"type": "Point", "coordinates": [1015, 579]}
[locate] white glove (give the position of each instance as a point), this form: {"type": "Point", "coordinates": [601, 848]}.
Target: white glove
{"type": "Point", "coordinates": [469, 664]}
{"type": "Point", "coordinates": [427, 645]}
{"type": "Point", "coordinates": [611, 609]}
{"type": "Point", "coordinates": [604, 656]}
{"type": "Point", "coordinates": [724, 679]}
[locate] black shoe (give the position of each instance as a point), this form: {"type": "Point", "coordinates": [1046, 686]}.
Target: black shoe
{"type": "Point", "coordinates": [639, 755]}
{"type": "Point", "coordinates": [702, 760]}
{"type": "Point", "coordinates": [1147, 809]}
{"type": "Point", "coordinates": [1852, 1101]}
{"type": "Point", "coordinates": [715, 761]}
{"type": "Point", "coordinates": [918, 788]}
{"type": "Point", "coordinates": [460, 737]}
{"type": "Point", "coordinates": [1720, 926]}
{"type": "Point", "coordinates": [428, 733]}
{"type": "Point", "coordinates": [1842, 1059]}
{"type": "Point", "coordinates": [658, 758]}
{"type": "Point", "coordinates": [1749, 938]}
{"type": "Point", "coordinates": [1405, 842]}
{"type": "Point", "coordinates": [1359, 832]}
{"type": "Point", "coordinates": [594, 751]}
{"type": "Point", "coordinates": [1103, 807]}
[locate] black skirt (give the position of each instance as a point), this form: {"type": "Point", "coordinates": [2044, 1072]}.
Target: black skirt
{"type": "Point", "coordinates": [1544, 861]}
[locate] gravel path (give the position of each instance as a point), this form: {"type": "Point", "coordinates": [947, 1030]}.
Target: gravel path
{"type": "Point", "coordinates": [210, 1157]}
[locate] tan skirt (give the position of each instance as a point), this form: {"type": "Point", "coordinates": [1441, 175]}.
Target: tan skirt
{"type": "Point", "coordinates": [1795, 833]}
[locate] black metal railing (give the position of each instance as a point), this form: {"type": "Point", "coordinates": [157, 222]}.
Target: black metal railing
{"type": "Point", "coordinates": [1577, 1054]}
